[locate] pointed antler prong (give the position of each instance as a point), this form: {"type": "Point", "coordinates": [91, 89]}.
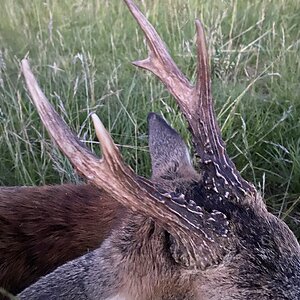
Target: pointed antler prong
{"type": "Point", "coordinates": [170, 74]}
{"type": "Point", "coordinates": [49, 116]}
{"type": "Point", "coordinates": [203, 82]}
{"type": "Point", "coordinates": [109, 149]}
{"type": "Point", "coordinates": [144, 64]}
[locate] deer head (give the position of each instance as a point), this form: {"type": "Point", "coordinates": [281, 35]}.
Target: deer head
{"type": "Point", "coordinates": [214, 241]}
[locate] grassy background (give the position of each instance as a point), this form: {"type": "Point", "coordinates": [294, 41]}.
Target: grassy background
{"type": "Point", "coordinates": [81, 52]}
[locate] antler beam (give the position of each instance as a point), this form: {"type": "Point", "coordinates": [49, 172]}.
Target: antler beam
{"type": "Point", "coordinates": [219, 173]}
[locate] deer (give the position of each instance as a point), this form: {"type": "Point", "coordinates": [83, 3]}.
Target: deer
{"type": "Point", "coordinates": [209, 239]}
{"type": "Point", "coordinates": [42, 228]}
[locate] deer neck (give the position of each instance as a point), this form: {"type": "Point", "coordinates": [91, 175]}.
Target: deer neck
{"type": "Point", "coordinates": [146, 268]}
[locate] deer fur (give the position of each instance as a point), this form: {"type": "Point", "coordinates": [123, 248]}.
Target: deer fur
{"type": "Point", "coordinates": [41, 228]}
{"type": "Point", "coordinates": [210, 237]}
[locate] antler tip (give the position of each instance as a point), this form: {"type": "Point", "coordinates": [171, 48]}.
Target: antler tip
{"type": "Point", "coordinates": [199, 27]}
{"type": "Point", "coordinates": [24, 64]}
{"type": "Point", "coordinates": [198, 22]}
{"type": "Point", "coordinates": [144, 64]}
{"type": "Point", "coordinates": [24, 61]}
{"type": "Point", "coordinates": [106, 142]}
{"type": "Point", "coordinates": [99, 127]}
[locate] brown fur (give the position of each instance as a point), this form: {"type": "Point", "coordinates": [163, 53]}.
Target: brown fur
{"type": "Point", "coordinates": [43, 227]}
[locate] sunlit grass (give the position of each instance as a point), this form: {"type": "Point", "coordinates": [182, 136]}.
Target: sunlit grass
{"type": "Point", "coordinates": [81, 52]}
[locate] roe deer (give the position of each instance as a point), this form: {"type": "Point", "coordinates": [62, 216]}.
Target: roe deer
{"type": "Point", "coordinates": [213, 240]}
{"type": "Point", "coordinates": [41, 228]}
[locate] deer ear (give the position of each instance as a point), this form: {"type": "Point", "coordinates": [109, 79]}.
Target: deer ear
{"type": "Point", "coordinates": [170, 157]}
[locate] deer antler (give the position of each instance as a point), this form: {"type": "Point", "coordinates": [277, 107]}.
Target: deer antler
{"type": "Point", "coordinates": [221, 178]}
{"type": "Point", "coordinates": [186, 221]}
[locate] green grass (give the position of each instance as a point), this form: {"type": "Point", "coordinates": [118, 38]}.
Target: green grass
{"type": "Point", "coordinates": [81, 51]}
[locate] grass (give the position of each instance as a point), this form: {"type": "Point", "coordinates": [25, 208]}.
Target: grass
{"type": "Point", "coordinates": [81, 52]}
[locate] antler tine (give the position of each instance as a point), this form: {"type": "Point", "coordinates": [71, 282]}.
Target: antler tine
{"type": "Point", "coordinates": [159, 60]}
{"type": "Point", "coordinates": [105, 172]}
{"type": "Point", "coordinates": [195, 102]}
{"type": "Point", "coordinates": [203, 82]}
{"type": "Point", "coordinates": [110, 152]}
{"type": "Point", "coordinates": [208, 141]}
{"type": "Point", "coordinates": [112, 175]}
{"type": "Point", "coordinates": [59, 130]}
